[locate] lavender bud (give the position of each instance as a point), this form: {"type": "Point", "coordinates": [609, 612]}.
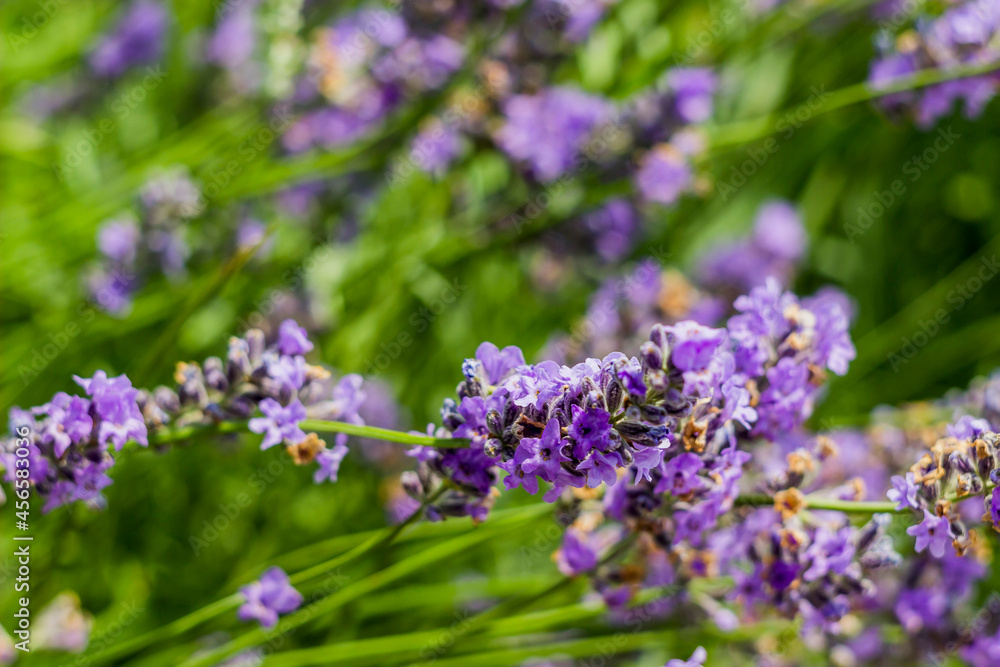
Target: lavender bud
{"type": "Point", "coordinates": [492, 448]}
{"type": "Point", "coordinates": [167, 399]}
{"type": "Point", "coordinates": [494, 423]}
{"type": "Point", "coordinates": [215, 376]}
{"type": "Point", "coordinates": [614, 397]}
{"type": "Point", "coordinates": [238, 366]}
{"type": "Point", "coordinates": [450, 418]}
{"type": "Point", "coordinates": [255, 346]}
{"type": "Point", "coordinates": [651, 356]}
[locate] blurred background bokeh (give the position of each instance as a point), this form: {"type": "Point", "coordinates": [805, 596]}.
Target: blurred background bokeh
{"type": "Point", "coordinates": [399, 273]}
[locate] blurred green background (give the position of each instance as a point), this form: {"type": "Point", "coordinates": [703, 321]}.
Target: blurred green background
{"type": "Point", "coordinates": [418, 242]}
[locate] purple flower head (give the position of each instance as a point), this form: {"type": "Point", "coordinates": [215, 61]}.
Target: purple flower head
{"type": "Point", "coordinates": [831, 346]}
{"type": "Point", "coordinates": [664, 175]}
{"type": "Point", "coordinates": [114, 401]}
{"type": "Point", "coordinates": [516, 474]}
{"type": "Point", "coordinates": [549, 129]}
{"type": "Point", "coordinates": [137, 39]}
{"type": "Point", "coordinates": [693, 345]}
{"type": "Point", "coordinates": [293, 339]}
{"type": "Point", "coordinates": [697, 659]}
{"type": "Point", "coordinates": [984, 651]}
{"type": "Point", "coordinates": [830, 552]}
{"type": "Point", "coordinates": [279, 423]}
{"type": "Point", "coordinates": [968, 428]}
{"type": "Point", "coordinates": [788, 399]}
{"type": "Point", "coordinates": [496, 364]}
{"type": "Point", "coordinates": [118, 240]}
{"type": "Point", "coordinates": [631, 376]}
{"type": "Point", "coordinates": [904, 492]}
{"type": "Point", "coordinates": [289, 373]}
{"type": "Point", "coordinates": [601, 468]}
{"type": "Point", "coordinates": [329, 463]}
{"type": "Point", "coordinates": [693, 89]}
{"type": "Point", "coordinates": [67, 422]}
{"type": "Point", "coordinates": [933, 533]}
{"type": "Point", "coordinates": [265, 599]}
{"type": "Point", "coordinates": [544, 455]}
{"type": "Point", "coordinates": [578, 552]}
{"type": "Point", "coordinates": [680, 475]}
{"type": "Point", "coordinates": [591, 428]}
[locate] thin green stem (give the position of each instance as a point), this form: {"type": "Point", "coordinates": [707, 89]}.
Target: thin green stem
{"type": "Point", "coordinates": [231, 602]}
{"type": "Point", "coordinates": [745, 131]}
{"type": "Point", "coordinates": [169, 435]}
{"type": "Point", "coordinates": [375, 581]}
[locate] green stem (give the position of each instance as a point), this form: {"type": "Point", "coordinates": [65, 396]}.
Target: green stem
{"type": "Point", "coordinates": [231, 602]}
{"type": "Point", "coordinates": [169, 435]}
{"type": "Point", "coordinates": [437, 553]}
{"type": "Point", "coordinates": [746, 131]}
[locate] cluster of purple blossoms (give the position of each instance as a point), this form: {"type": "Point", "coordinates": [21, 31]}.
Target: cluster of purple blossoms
{"type": "Point", "coordinates": [131, 249]}
{"type": "Point", "coordinates": [672, 414]}
{"type": "Point", "coordinates": [68, 438]}
{"type": "Point", "coordinates": [264, 600]}
{"type": "Point", "coordinates": [964, 464]}
{"type": "Point", "coordinates": [963, 35]}
{"type": "Point", "coordinates": [548, 130]}
{"type": "Point", "coordinates": [137, 39]}
{"type": "Point", "coordinates": [360, 69]}
{"type": "Point", "coordinates": [789, 344]}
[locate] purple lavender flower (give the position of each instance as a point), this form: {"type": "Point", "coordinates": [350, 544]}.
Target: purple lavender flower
{"type": "Point", "coordinates": [329, 463]}
{"type": "Point", "coordinates": [67, 421]}
{"type": "Point", "coordinates": [697, 659]}
{"type": "Point", "coordinates": [664, 175]}
{"type": "Point", "coordinates": [933, 533]}
{"type": "Point", "coordinates": [693, 88]}
{"type": "Point", "coordinates": [266, 599]}
{"type": "Point", "coordinates": [118, 240]}
{"type": "Point", "coordinates": [830, 551]}
{"type": "Point", "coordinates": [680, 475]}
{"type": "Point", "coordinates": [516, 474]}
{"type": "Point", "coordinates": [279, 423]}
{"type": "Point", "coordinates": [293, 339]}
{"type": "Point", "coordinates": [903, 492]}
{"type": "Point", "coordinates": [545, 453]}
{"type": "Point", "coordinates": [693, 345]}
{"type": "Point", "coordinates": [577, 554]}
{"type": "Point", "coordinates": [137, 39]}
{"type": "Point", "coordinates": [114, 402]}
{"type": "Point", "coordinates": [984, 651]}
{"type": "Point", "coordinates": [591, 428]}
{"type": "Point", "coordinates": [601, 468]}
{"type": "Point", "coordinates": [968, 428]}
{"type": "Point", "coordinates": [548, 130]}
{"type": "Point", "coordinates": [496, 364]}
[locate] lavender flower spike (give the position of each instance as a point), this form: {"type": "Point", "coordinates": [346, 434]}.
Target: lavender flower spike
{"type": "Point", "coordinates": [269, 597]}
